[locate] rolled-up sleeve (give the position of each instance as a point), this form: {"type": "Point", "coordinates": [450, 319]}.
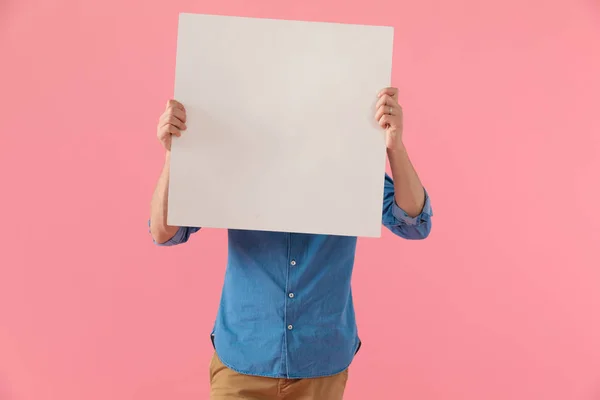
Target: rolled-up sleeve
{"type": "Point", "coordinates": [399, 222]}
{"type": "Point", "coordinates": [182, 236]}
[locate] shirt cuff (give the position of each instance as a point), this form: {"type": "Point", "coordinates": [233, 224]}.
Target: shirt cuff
{"type": "Point", "coordinates": [179, 236]}
{"type": "Point", "coordinates": [422, 218]}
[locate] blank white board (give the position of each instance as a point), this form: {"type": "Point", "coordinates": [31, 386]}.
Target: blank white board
{"type": "Point", "coordinates": [281, 132]}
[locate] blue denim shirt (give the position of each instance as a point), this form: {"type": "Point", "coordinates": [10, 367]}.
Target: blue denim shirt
{"type": "Point", "coordinates": [286, 307]}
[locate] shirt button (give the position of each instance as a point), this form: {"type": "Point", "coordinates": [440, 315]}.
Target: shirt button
{"type": "Point", "coordinates": [291, 295]}
{"type": "Point", "coordinates": [293, 262]}
{"type": "Point", "coordinates": [290, 327]}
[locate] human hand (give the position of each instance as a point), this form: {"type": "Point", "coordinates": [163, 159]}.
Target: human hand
{"type": "Point", "coordinates": [171, 123]}
{"type": "Point", "coordinates": [389, 116]}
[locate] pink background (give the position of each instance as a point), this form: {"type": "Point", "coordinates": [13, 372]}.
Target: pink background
{"type": "Point", "coordinates": [501, 302]}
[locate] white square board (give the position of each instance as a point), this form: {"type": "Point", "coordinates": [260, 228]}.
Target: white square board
{"type": "Point", "coordinates": [281, 133]}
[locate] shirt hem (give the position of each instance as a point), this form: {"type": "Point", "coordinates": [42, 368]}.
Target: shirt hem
{"type": "Point", "coordinates": [264, 375]}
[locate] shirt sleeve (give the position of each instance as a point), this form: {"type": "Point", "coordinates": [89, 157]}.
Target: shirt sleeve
{"type": "Point", "coordinates": [399, 222]}
{"type": "Point", "coordinates": [182, 236]}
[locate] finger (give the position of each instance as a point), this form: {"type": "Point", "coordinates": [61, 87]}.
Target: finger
{"type": "Point", "coordinates": [385, 121]}
{"type": "Point", "coordinates": [178, 112]}
{"type": "Point", "coordinates": [390, 91]}
{"type": "Point", "coordinates": [169, 115]}
{"type": "Point", "coordinates": [168, 130]}
{"type": "Point", "coordinates": [174, 131]}
{"type": "Point", "coordinates": [385, 110]}
{"type": "Point", "coordinates": [175, 104]}
{"type": "Point", "coordinates": [386, 100]}
{"type": "Point", "coordinates": [173, 120]}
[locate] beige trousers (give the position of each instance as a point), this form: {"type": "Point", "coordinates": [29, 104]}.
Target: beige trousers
{"type": "Point", "coordinates": [226, 384]}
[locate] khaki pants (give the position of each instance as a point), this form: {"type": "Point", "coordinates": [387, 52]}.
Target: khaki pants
{"type": "Point", "coordinates": [226, 384]}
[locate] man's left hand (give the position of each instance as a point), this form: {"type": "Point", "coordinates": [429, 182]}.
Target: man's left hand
{"type": "Point", "coordinates": [389, 116]}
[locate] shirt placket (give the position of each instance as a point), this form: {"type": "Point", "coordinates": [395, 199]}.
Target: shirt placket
{"type": "Point", "coordinates": [292, 264]}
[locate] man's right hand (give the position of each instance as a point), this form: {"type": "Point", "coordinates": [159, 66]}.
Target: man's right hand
{"type": "Point", "coordinates": [171, 122]}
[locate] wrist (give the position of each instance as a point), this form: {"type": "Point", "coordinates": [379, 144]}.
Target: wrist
{"type": "Point", "coordinates": [398, 149]}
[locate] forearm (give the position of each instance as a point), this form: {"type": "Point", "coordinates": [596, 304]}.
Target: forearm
{"type": "Point", "coordinates": [160, 230]}
{"type": "Point", "coordinates": [408, 190]}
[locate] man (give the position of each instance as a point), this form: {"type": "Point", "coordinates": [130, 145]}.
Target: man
{"type": "Point", "coordinates": [285, 328]}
